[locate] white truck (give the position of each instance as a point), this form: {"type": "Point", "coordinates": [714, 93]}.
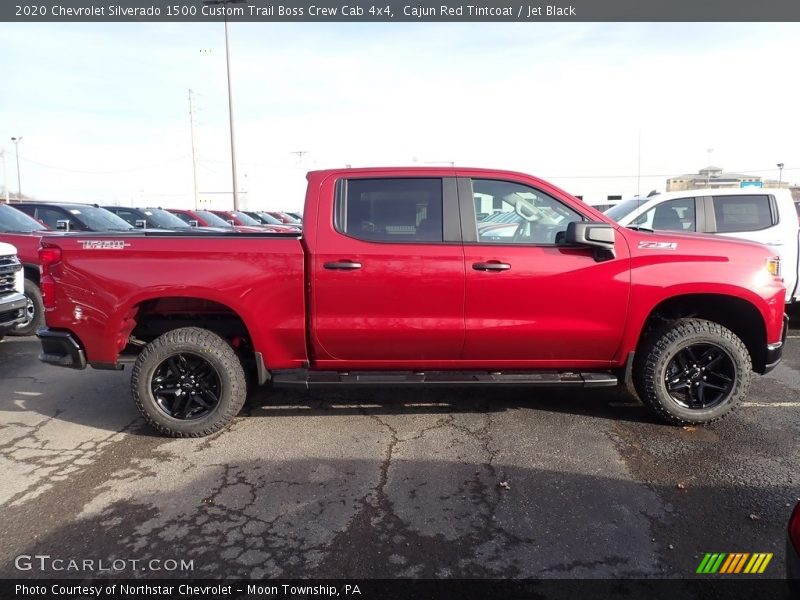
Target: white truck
{"type": "Point", "coordinates": [767, 216]}
{"type": "Point", "coordinates": [12, 298]}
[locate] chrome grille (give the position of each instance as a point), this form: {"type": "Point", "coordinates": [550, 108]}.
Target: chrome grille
{"type": "Point", "coordinates": [9, 265]}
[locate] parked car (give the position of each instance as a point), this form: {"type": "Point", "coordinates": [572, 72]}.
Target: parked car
{"type": "Point", "coordinates": [24, 233]}
{"type": "Point", "coordinates": [73, 217]}
{"type": "Point", "coordinates": [206, 218]}
{"type": "Point", "coordinates": [151, 218]}
{"type": "Point", "coordinates": [393, 284]}
{"type": "Point", "coordinates": [285, 218]}
{"type": "Point", "coordinates": [266, 219]}
{"type": "Point", "coordinates": [238, 218]}
{"type": "Point", "coordinates": [295, 215]}
{"type": "Point", "coordinates": [765, 216]}
{"type": "Point", "coordinates": [12, 298]}
{"type": "Point", "coordinates": [793, 551]}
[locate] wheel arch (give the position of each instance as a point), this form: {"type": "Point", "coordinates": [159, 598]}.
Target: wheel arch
{"type": "Point", "coordinates": [741, 316]}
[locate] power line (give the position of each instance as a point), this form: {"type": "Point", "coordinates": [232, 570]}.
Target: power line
{"type": "Point", "coordinates": [132, 169]}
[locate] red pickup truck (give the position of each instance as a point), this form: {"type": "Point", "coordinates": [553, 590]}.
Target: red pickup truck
{"type": "Point", "coordinates": [394, 281]}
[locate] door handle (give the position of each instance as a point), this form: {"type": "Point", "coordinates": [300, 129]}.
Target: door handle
{"type": "Point", "coordinates": [491, 266]}
{"type": "Point", "coordinates": [345, 265]}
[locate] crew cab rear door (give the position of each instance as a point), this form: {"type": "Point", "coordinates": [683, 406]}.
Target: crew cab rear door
{"type": "Point", "coordinates": [388, 271]}
{"type": "Point", "coordinates": [530, 302]}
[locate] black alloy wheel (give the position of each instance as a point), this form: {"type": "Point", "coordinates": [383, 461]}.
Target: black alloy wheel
{"type": "Point", "coordinates": [186, 386]}
{"type": "Point", "coordinates": [700, 376]}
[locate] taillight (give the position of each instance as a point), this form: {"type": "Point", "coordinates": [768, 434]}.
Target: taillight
{"type": "Point", "coordinates": [48, 256]}
{"type": "Point", "coordinates": [794, 528]}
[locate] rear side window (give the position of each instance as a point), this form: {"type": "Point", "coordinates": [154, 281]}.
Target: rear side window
{"type": "Point", "coordinates": [743, 213]}
{"type": "Point", "coordinates": [390, 210]}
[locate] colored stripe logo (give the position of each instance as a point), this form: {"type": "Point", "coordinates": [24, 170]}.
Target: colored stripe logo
{"type": "Point", "coordinates": [734, 563]}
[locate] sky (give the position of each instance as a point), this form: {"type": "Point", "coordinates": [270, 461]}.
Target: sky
{"type": "Point", "coordinates": [596, 108]}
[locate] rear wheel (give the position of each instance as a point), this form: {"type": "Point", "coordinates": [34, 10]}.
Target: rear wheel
{"type": "Point", "coordinates": [692, 371]}
{"type": "Point", "coordinates": [188, 383]}
{"type": "Point", "coordinates": [34, 311]}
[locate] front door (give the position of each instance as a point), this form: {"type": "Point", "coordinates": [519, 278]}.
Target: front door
{"type": "Point", "coordinates": [530, 301]}
{"type": "Point", "coordinates": [388, 274]}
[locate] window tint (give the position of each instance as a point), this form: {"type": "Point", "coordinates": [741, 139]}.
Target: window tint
{"type": "Point", "coordinates": [525, 216]}
{"type": "Point", "coordinates": [742, 213]}
{"type": "Point", "coordinates": [127, 215]}
{"type": "Point", "coordinates": [391, 210]}
{"type": "Point", "coordinates": [51, 216]}
{"type": "Point", "coordinates": [13, 220]}
{"type": "Point", "coordinates": [672, 215]}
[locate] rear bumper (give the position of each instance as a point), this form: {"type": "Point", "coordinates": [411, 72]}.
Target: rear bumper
{"type": "Point", "coordinates": [61, 348]}
{"type": "Point", "coordinates": [12, 311]}
{"type": "Point", "coordinates": [775, 351]}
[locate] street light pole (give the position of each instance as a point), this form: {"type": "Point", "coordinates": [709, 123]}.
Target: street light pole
{"type": "Point", "coordinates": [780, 174]}
{"type": "Point", "coordinates": [5, 175]}
{"type": "Point", "coordinates": [223, 4]}
{"type": "Point", "coordinates": [16, 141]}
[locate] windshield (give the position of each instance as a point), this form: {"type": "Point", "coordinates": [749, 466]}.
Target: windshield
{"type": "Point", "coordinates": [98, 219]}
{"type": "Point", "coordinates": [162, 219]}
{"type": "Point", "coordinates": [625, 208]}
{"type": "Point", "coordinates": [290, 218]}
{"type": "Point", "coordinates": [244, 218]}
{"type": "Point", "coordinates": [13, 220]}
{"type": "Point", "coordinates": [212, 219]}
{"type": "Point", "coordinates": [268, 219]}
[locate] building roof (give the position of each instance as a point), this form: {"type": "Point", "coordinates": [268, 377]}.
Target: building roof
{"type": "Point", "coordinates": [715, 173]}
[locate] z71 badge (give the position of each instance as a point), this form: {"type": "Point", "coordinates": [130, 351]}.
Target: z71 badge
{"type": "Point", "coordinates": [658, 246]}
{"type": "Point", "coordinates": [103, 244]}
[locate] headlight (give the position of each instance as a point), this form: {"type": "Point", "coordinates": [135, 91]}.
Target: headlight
{"type": "Point", "coordinates": [774, 266]}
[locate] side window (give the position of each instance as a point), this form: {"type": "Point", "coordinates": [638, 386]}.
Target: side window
{"type": "Point", "coordinates": [518, 214]}
{"type": "Point", "coordinates": [51, 216]}
{"type": "Point", "coordinates": [673, 215]}
{"type": "Point", "coordinates": [743, 213]}
{"type": "Point", "coordinates": [390, 210]}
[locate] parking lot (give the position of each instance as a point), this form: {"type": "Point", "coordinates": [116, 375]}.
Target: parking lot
{"type": "Point", "coordinates": [422, 483]}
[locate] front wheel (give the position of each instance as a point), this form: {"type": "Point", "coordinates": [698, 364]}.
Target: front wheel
{"type": "Point", "coordinates": [34, 311]}
{"type": "Point", "coordinates": [188, 383]}
{"type": "Point", "coordinates": [692, 371]}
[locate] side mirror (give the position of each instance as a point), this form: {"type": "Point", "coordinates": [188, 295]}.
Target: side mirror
{"type": "Point", "coordinates": [231, 222]}
{"type": "Point", "coordinates": [194, 223]}
{"type": "Point", "coordinates": [140, 224]}
{"type": "Point", "coordinates": [62, 225]}
{"type": "Point", "coordinates": [594, 234]}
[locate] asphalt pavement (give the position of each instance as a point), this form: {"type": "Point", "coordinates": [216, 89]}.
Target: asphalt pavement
{"type": "Point", "coordinates": [423, 483]}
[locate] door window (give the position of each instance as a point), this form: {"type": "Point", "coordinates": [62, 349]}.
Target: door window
{"type": "Point", "coordinates": [672, 215]}
{"type": "Point", "coordinates": [518, 214]}
{"type": "Point", "coordinates": [743, 213]}
{"type": "Point", "coordinates": [391, 210]}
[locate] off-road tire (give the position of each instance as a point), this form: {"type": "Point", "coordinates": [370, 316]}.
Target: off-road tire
{"type": "Point", "coordinates": [213, 349]}
{"type": "Point", "coordinates": [34, 296]}
{"type": "Point", "coordinates": [661, 346]}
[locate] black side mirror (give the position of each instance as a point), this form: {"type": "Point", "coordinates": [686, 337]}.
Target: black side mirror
{"type": "Point", "coordinates": [62, 225]}
{"type": "Point", "coordinates": [594, 234]}
{"type": "Point", "coordinates": [140, 224]}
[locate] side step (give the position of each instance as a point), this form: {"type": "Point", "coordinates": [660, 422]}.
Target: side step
{"type": "Point", "coordinates": [308, 379]}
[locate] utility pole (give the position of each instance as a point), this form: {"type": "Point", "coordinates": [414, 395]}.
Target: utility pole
{"type": "Point", "coordinates": [16, 141]}
{"type": "Point", "coordinates": [300, 154]}
{"type": "Point", "coordinates": [780, 174]}
{"type": "Point", "coordinates": [5, 174]}
{"type": "Point", "coordinates": [639, 167]}
{"type": "Point", "coordinates": [223, 4]}
{"type": "Point", "coordinates": [194, 154]}
{"type": "Point", "coordinates": [708, 168]}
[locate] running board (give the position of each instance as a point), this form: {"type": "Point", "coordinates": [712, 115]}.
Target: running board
{"type": "Point", "coordinates": [308, 379]}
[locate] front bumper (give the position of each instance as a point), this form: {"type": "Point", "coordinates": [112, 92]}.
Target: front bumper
{"type": "Point", "coordinates": [12, 311]}
{"type": "Point", "coordinates": [775, 351]}
{"type": "Point", "coordinates": [61, 348]}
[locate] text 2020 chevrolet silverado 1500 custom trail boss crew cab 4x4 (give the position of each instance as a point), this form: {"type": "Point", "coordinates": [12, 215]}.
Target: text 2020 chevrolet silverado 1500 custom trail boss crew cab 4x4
{"type": "Point", "coordinates": [12, 300]}
{"type": "Point", "coordinates": [395, 282]}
